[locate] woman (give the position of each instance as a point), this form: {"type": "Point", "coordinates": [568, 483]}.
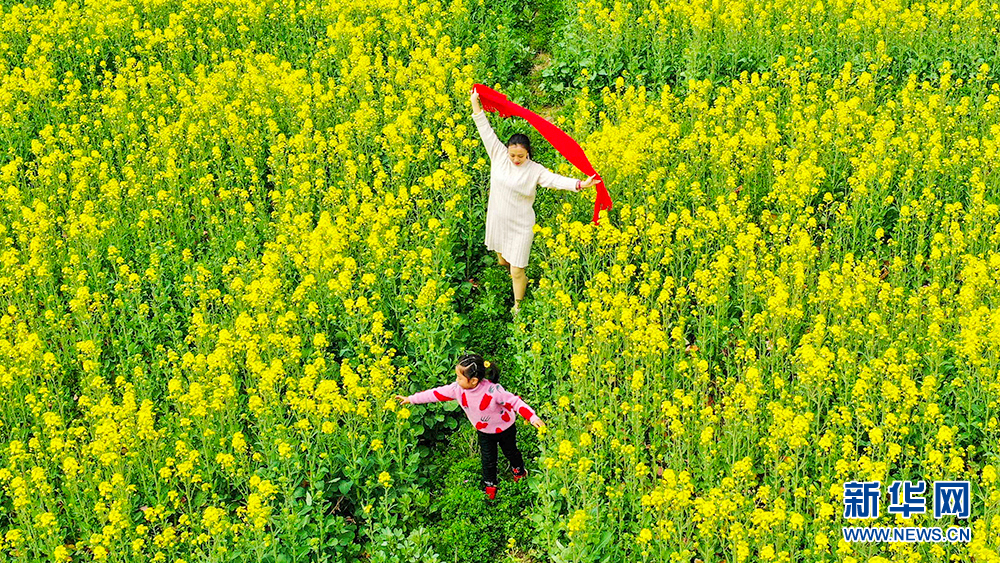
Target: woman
{"type": "Point", "coordinates": [510, 217]}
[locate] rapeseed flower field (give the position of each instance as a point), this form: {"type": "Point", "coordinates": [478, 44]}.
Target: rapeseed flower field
{"type": "Point", "coordinates": [232, 232]}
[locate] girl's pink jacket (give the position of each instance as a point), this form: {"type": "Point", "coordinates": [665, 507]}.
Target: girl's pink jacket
{"type": "Point", "coordinates": [489, 406]}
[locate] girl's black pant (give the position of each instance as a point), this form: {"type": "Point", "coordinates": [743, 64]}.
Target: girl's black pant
{"type": "Point", "coordinates": [488, 453]}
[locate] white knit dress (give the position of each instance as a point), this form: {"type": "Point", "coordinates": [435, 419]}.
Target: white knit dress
{"type": "Point", "coordinates": [510, 216]}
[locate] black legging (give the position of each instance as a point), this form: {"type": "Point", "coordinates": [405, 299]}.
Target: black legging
{"type": "Point", "coordinates": [488, 453]}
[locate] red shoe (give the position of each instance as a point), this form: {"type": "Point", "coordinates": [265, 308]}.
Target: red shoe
{"type": "Point", "coordinates": [519, 476]}
{"type": "Point", "coordinates": [491, 492]}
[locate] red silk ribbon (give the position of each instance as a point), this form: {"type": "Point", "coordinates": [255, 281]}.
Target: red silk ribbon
{"type": "Point", "coordinates": [492, 100]}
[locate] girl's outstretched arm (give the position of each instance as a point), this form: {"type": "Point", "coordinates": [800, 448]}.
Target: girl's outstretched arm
{"type": "Point", "coordinates": [435, 395]}
{"type": "Point", "coordinates": [514, 403]}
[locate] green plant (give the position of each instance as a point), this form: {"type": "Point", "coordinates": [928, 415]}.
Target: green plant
{"type": "Point", "coordinates": [394, 545]}
{"type": "Point", "coordinates": [474, 528]}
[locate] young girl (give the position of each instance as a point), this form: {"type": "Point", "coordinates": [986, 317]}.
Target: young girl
{"type": "Point", "coordinates": [510, 216]}
{"type": "Point", "coordinates": [490, 408]}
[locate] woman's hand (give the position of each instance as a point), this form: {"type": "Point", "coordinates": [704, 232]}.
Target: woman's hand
{"type": "Point", "coordinates": [588, 182]}
{"type": "Point", "coordinates": [402, 400]}
{"type": "Point", "coordinates": [474, 99]}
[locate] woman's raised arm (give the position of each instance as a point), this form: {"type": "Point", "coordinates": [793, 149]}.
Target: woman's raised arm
{"type": "Point", "coordinates": [494, 147]}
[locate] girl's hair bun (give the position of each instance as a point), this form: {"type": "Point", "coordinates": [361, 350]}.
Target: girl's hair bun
{"type": "Point", "coordinates": [478, 368]}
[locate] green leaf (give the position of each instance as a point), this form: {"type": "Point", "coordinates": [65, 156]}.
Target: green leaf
{"type": "Point", "coordinates": [605, 539]}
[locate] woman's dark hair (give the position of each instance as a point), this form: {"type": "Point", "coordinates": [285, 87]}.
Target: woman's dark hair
{"type": "Point", "coordinates": [524, 141]}
{"type": "Point", "coordinates": [474, 367]}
